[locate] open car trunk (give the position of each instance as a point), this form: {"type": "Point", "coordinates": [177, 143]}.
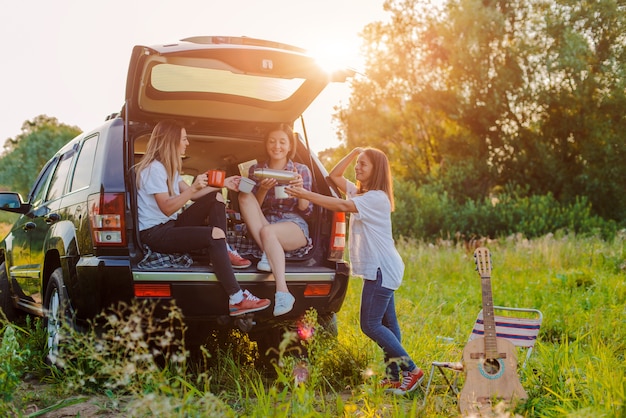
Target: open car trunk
{"type": "Point", "coordinates": [228, 92]}
{"type": "Point", "coordinates": [233, 155]}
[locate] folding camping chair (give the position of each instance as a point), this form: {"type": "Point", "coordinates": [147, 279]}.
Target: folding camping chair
{"type": "Point", "coordinates": [518, 325]}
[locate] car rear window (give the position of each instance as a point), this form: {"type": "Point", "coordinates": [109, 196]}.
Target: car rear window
{"type": "Point", "coordinates": [171, 78]}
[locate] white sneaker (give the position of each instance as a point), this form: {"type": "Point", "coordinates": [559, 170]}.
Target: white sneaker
{"type": "Point", "coordinates": [263, 264]}
{"type": "Point", "coordinates": [283, 303]}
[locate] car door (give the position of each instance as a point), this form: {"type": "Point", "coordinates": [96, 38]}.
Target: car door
{"type": "Point", "coordinates": [22, 271]}
{"type": "Point", "coordinates": [44, 212]}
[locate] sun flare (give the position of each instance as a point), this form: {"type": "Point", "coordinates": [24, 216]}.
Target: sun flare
{"type": "Point", "coordinates": [335, 55]}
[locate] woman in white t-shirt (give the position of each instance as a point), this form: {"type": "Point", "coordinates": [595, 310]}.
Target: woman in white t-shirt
{"type": "Point", "coordinates": [161, 193]}
{"type": "Point", "coordinates": [373, 256]}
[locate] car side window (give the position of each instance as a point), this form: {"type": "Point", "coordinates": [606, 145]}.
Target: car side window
{"type": "Point", "coordinates": [39, 190]}
{"type": "Point", "coordinates": [59, 178]}
{"type": "Point", "coordinates": [84, 164]}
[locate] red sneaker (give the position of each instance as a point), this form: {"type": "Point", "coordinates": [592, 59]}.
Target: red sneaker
{"type": "Point", "coordinates": [237, 261]}
{"type": "Point", "coordinates": [250, 303]}
{"type": "Point", "coordinates": [410, 382]}
{"type": "Point", "coordinates": [389, 385]}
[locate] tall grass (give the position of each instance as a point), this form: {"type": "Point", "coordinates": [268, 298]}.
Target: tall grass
{"type": "Point", "coordinates": [577, 369]}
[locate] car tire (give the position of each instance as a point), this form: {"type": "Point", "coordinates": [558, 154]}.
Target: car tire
{"type": "Point", "coordinates": [57, 315]}
{"type": "Point", "coordinates": [6, 302]}
{"type": "Point", "coordinates": [268, 340]}
{"type": "Point", "coordinates": [329, 323]}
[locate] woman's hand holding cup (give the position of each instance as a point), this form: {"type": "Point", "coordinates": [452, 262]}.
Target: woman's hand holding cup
{"type": "Point", "coordinates": [199, 182]}
{"type": "Point", "coordinates": [298, 181]}
{"type": "Point", "coordinates": [232, 183]}
{"type": "Point", "coordinates": [295, 191]}
{"type": "Point", "coordinates": [267, 184]}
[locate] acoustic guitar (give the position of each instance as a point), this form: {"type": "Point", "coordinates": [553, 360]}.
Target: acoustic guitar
{"type": "Point", "coordinates": [490, 362]}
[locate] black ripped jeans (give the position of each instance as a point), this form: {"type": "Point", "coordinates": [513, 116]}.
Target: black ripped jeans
{"type": "Point", "coordinates": [193, 230]}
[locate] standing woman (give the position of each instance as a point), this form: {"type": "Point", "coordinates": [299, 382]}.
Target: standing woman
{"type": "Point", "coordinates": [278, 224]}
{"type": "Point", "coordinates": [162, 193]}
{"type": "Point", "coordinates": [373, 256]}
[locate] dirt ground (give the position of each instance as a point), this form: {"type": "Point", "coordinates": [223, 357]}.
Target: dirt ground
{"type": "Point", "coordinates": [79, 406]}
{"type": "Point", "coordinates": [83, 406]}
{"type": "Point", "coordinates": [87, 407]}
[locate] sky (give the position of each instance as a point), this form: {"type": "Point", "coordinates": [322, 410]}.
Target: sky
{"type": "Point", "coordinates": [68, 59]}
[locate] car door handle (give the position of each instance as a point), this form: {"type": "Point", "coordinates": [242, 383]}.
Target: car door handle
{"type": "Point", "coordinates": [29, 226]}
{"type": "Point", "coordinates": [51, 218]}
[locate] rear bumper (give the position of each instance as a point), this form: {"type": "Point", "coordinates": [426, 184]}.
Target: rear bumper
{"type": "Point", "coordinates": [202, 298]}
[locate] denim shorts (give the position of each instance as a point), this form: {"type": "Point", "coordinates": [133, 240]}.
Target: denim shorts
{"type": "Point", "coordinates": [289, 217]}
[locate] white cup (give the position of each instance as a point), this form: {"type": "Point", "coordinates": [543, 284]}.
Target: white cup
{"type": "Point", "coordinates": [280, 193]}
{"type": "Point", "coordinates": [246, 185]}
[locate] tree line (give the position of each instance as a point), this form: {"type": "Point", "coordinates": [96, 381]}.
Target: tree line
{"type": "Point", "coordinates": [498, 116]}
{"type": "Point", "coordinates": [484, 101]}
{"type": "Point", "coordinates": [24, 156]}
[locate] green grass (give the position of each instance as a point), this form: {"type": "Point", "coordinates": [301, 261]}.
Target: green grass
{"type": "Point", "coordinates": [6, 221]}
{"type": "Point", "coordinates": [577, 369]}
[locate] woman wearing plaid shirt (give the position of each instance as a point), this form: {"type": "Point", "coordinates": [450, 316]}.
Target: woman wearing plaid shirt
{"type": "Point", "coordinates": [278, 225]}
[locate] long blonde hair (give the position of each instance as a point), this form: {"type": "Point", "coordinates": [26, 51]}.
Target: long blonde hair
{"type": "Point", "coordinates": [381, 175]}
{"type": "Point", "coordinates": [163, 147]}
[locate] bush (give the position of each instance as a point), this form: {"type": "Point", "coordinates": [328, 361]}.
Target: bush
{"type": "Point", "coordinates": [420, 212]}
{"type": "Point", "coordinates": [428, 213]}
{"type": "Point", "coordinates": [12, 359]}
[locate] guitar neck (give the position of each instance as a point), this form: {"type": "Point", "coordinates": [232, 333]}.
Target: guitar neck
{"type": "Point", "coordinates": [489, 322]}
{"type": "Point", "coordinates": [482, 257]}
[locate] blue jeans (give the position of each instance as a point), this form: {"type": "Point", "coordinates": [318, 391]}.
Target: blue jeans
{"type": "Point", "coordinates": [379, 322]}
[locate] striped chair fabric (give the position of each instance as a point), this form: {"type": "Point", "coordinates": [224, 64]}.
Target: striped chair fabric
{"type": "Point", "coordinates": [520, 326]}
{"type": "Point", "coordinates": [520, 331]}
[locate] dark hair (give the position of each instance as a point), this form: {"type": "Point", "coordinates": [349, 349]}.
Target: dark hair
{"type": "Point", "coordinates": [381, 175]}
{"type": "Point", "coordinates": [286, 129]}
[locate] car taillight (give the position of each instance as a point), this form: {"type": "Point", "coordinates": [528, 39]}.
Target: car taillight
{"type": "Point", "coordinates": [320, 289]}
{"type": "Point", "coordinates": [106, 217]}
{"type": "Point", "coordinates": [153, 290]}
{"type": "Point", "coordinates": [337, 237]}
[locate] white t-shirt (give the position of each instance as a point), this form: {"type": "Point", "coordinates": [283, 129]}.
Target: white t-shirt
{"type": "Point", "coordinates": [153, 181]}
{"type": "Point", "coordinates": [370, 238]}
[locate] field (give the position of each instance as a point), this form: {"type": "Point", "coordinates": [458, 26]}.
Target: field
{"type": "Point", "coordinates": [577, 368]}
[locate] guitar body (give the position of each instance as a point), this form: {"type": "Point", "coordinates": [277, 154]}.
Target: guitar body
{"type": "Point", "coordinates": [489, 381]}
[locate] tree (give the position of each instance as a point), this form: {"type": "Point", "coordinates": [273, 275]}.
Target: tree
{"type": "Point", "coordinates": [584, 122]}
{"type": "Point", "coordinates": [25, 155]}
{"type": "Point", "coordinates": [475, 95]}
{"type": "Point", "coordinates": [432, 93]}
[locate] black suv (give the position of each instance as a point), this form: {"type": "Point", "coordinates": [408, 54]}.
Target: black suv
{"type": "Point", "coordinates": [75, 249]}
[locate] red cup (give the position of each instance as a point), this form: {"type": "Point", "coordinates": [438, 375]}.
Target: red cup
{"type": "Point", "coordinates": [216, 178]}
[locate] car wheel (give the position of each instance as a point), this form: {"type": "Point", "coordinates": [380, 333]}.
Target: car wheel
{"type": "Point", "coordinates": [57, 317]}
{"type": "Point", "coordinates": [268, 340]}
{"type": "Point", "coordinates": [6, 302]}
{"type": "Point", "coordinates": [329, 323]}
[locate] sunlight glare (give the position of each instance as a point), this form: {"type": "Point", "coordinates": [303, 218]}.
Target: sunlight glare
{"type": "Point", "coordinates": [335, 55]}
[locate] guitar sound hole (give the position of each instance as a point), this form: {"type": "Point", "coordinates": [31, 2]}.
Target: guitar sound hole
{"type": "Point", "coordinates": [491, 366]}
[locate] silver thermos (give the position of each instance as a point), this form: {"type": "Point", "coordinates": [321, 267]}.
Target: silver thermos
{"type": "Point", "coordinates": [283, 176]}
